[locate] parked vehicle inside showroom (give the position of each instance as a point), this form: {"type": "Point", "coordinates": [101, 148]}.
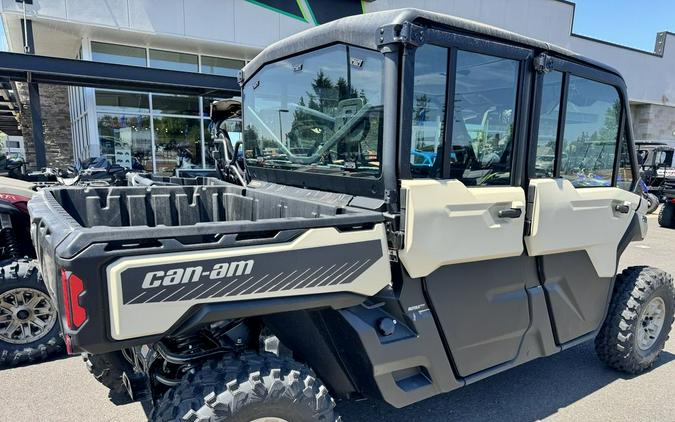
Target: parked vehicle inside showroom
{"type": "Point", "coordinates": [391, 226]}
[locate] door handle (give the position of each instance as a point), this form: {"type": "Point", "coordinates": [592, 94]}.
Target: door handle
{"type": "Point", "coordinates": [510, 213]}
{"type": "Point", "coordinates": [622, 208]}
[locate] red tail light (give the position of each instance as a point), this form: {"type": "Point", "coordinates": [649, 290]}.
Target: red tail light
{"type": "Point", "coordinates": [72, 287]}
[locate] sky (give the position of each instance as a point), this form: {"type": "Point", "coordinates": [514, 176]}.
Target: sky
{"type": "Point", "coordinates": [633, 23]}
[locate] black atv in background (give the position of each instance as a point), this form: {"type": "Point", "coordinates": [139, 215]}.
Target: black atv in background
{"type": "Point", "coordinates": [656, 169]}
{"type": "Point", "coordinates": [667, 213]}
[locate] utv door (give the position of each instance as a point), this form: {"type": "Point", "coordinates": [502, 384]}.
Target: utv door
{"type": "Point", "coordinates": [463, 204]}
{"type": "Point", "coordinates": [579, 204]}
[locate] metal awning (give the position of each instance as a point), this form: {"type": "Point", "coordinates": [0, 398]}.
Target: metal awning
{"type": "Point", "coordinates": [59, 71]}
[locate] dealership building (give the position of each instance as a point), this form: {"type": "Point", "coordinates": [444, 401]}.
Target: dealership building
{"type": "Point", "coordinates": [219, 37]}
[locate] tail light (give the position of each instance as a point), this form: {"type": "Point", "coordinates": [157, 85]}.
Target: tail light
{"type": "Point", "coordinates": [72, 288]}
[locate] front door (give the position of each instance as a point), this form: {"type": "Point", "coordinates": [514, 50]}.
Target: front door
{"type": "Point", "coordinates": [464, 206]}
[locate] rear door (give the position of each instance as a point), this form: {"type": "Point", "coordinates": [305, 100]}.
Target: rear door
{"type": "Point", "coordinates": [463, 199]}
{"type": "Point", "coordinates": [579, 203]}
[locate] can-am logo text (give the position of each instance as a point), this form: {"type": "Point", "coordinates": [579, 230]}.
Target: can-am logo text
{"type": "Point", "coordinates": [196, 274]}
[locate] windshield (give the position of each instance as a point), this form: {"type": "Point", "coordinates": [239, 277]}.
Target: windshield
{"type": "Point", "coordinates": [317, 112]}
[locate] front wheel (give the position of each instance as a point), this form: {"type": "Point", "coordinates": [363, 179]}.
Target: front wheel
{"type": "Point", "coordinates": [245, 388]}
{"type": "Point", "coordinates": [667, 215]}
{"type": "Point", "coordinates": [29, 328]}
{"type": "Point", "coordinates": [639, 320]}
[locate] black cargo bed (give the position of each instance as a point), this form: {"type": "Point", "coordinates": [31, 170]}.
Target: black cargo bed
{"type": "Point", "coordinates": [86, 230]}
{"type": "Point", "coordinates": [184, 209]}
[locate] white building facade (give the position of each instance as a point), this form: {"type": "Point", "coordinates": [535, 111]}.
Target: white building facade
{"type": "Point", "coordinates": [219, 36]}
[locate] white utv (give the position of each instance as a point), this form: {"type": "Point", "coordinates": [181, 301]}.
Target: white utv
{"type": "Point", "coordinates": [419, 202]}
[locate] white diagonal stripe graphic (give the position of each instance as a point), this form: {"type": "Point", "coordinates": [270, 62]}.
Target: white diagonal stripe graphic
{"type": "Point", "coordinates": [190, 292]}
{"type": "Point", "coordinates": [155, 295]}
{"type": "Point", "coordinates": [131, 301]}
{"type": "Point", "coordinates": [326, 278]}
{"type": "Point", "coordinates": [228, 285]}
{"type": "Point", "coordinates": [165, 299]}
{"type": "Point", "coordinates": [254, 284]}
{"type": "Point", "coordinates": [245, 288]}
{"type": "Point", "coordinates": [210, 288]}
{"type": "Point", "coordinates": [275, 284]}
{"type": "Point", "coordinates": [345, 271]}
{"type": "Point", "coordinates": [288, 283]}
{"type": "Point", "coordinates": [306, 278]}
{"type": "Point", "coordinates": [353, 271]}
{"type": "Point", "coordinates": [317, 277]}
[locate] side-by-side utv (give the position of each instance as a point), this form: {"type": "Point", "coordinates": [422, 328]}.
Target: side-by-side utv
{"type": "Point", "coordinates": [419, 202]}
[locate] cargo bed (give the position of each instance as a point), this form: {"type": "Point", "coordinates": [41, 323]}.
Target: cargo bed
{"type": "Point", "coordinates": [153, 259]}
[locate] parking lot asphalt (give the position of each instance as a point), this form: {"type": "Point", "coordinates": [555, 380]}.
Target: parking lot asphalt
{"type": "Point", "coordinates": [570, 386]}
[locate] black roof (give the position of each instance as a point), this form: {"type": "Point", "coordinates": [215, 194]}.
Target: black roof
{"type": "Point", "coordinates": [361, 30]}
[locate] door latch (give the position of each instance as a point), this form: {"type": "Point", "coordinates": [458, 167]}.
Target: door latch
{"type": "Point", "coordinates": [510, 213]}
{"type": "Point", "coordinates": [622, 208]}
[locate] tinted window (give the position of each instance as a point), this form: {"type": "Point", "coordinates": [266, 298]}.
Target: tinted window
{"type": "Point", "coordinates": [428, 115]}
{"type": "Point", "coordinates": [624, 179]}
{"type": "Point", "coordinates": [175, 104]}
{"type": "Point", "coordinates": [219, 66]}
{"type": "Point", "coordinates": [174, 61]}
{"type": "Point", "coordinates": [127, 102]}
{"type": "Point", "coordinates": [117, 54]}
{"type": "Point", "coordinates": [591, 132]}
{"type": "Point", "coordinates": [548, 124]}
{"type": "Point", "coordinates": [319, 112]}
{"type": "Point", "coordinates": [484, 111]}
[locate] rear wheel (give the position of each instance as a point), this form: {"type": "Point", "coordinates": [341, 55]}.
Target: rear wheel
{"type": "Point", "coordinates": [244, 388]}
{"type": "Point", "coordinates": [667, 215]}
{"type": "Point", "coordinates": [652, 202]}
{"type": "Point", "coordinates": [108, 368]}
{"type": "Point", "coordinates": [639, 320]}
{"type": "Point", "coordinates": [29, 328]}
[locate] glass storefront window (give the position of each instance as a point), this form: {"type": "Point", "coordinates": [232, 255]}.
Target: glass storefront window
{"type": "Point", "coordinates": [125, 139]}
{"type": "Point", "coordinates": [177, 144]}
{"type": "Point", "coordinates": [172, 60]}
{"type": "Point", "coordinates": [125, 102]}
{"type": "Point", "coordinates": [220, 66]}
{"type": "Point", "coordinates": [175, 104]}
{"type": "Point", "coordinates": [118, 54]}
{"type": "Point", "coordinates": [124, 117]}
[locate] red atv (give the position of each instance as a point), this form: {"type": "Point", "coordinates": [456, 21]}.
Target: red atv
{"type": "Point", "coordinates": [29, 329]}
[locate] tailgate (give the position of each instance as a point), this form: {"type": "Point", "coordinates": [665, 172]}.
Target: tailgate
{"type": "Point", "coordinates": [143, 282]}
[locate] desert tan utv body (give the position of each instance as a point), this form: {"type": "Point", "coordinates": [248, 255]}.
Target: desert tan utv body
{"type": "Point", "coordinates": [419, 202]}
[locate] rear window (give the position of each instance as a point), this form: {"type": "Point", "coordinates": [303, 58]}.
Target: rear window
{"type": "Point", "coordinates": [319, 112]}
{"type": "Point", "coordinates": [591, 133]}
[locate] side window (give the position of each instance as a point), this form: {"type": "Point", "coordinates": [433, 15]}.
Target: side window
{"type": "Point", "coordinates": [624, 178]}
{"type": "Point", "coordinates": [428, 115]}
{"type": "Point", "coordinates": [590, 133]}
{"type": "Point", "coordinates": [483, 116]}
{"type": "Point", "coordinates": [549, 115]}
